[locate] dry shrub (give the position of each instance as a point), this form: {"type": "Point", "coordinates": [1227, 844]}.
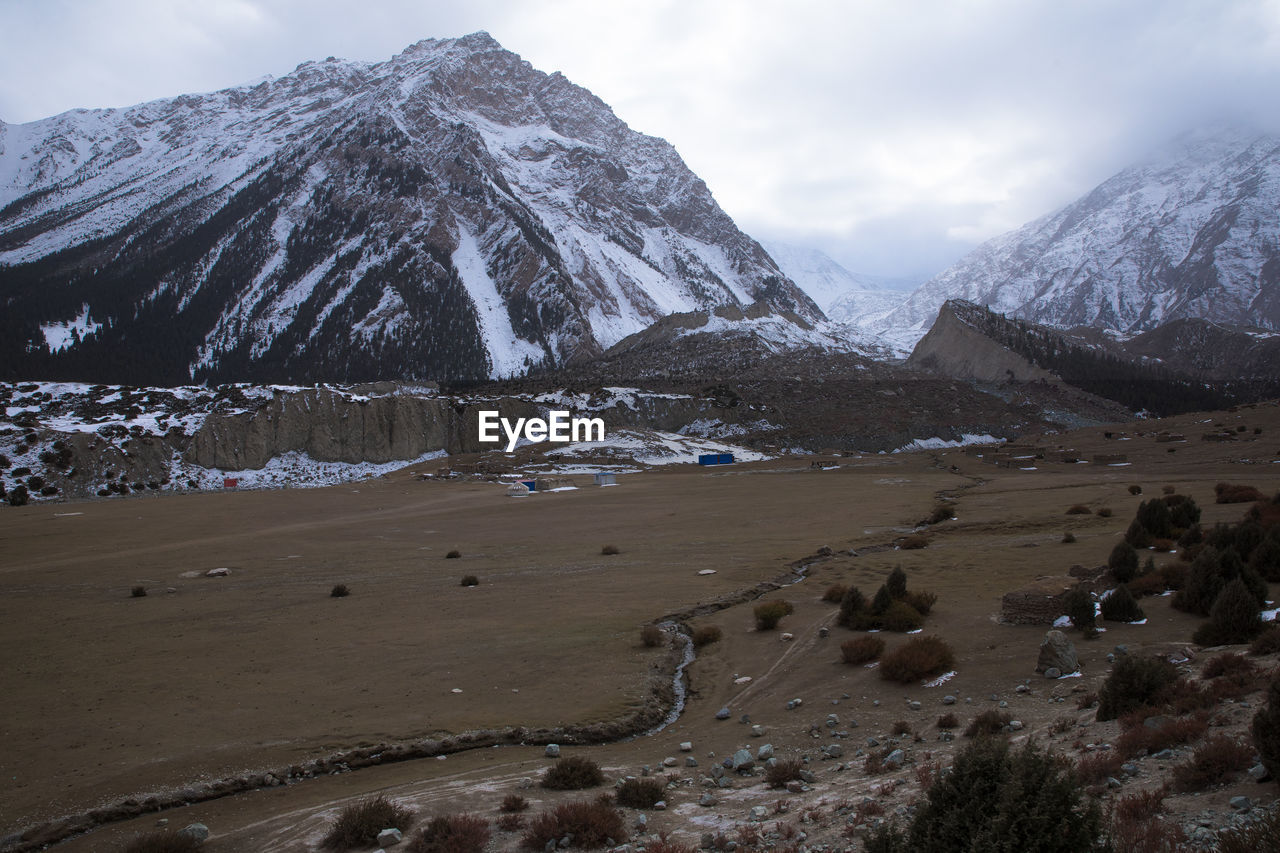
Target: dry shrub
{"type": "Point", "coordinates": [1237, 493]}
{"type": "Point", "coordinates": [942, 512]}
{"type": "Point", "coordinates": [770, 613]}
{"type": "Point", "coordinates": [948, 721]}
{"type": "Point", "coordinates": [1216, 761]}
{"type": "Point", "coordinates": [1087, 700]}
{"type": "Point", "coordinates": [915, 659]}
{"type": "Point", "coordinates": [922, 602]}
{"type": "Point", "coordinates": [1142, 738]}
{"type": "Point", "coordinates": [914, 542]}
{"type": "Point", "coordinates": [927, 772]}
{"type": "Point", "coordinates": [510, 822]}
{"type": "Point", "coordinates": [1162, 545]}
{"type": "Point", "coordinates": [651, 636]}
{"type": "Point", "coordinates": [666, 845]}
{"type": "Point", "coordinates": [460, 833]}
{"type": "Point", "coordinates": [1146, 835]}
{"type": "Point", "coordinates": [1135, 489]}
{"type": "Point", "coordinates": [1148, 584]}
{"type": "Point", "coordinates": [358, 824]}
{"type": "Point", "coordinates": [470, 580]}
{"type": "Point", "coordinates": [339, 590]}
{"type": "Point", "coordinates": [1227, 663]}
{"type": "Point", "coordinates": [901, 727]}
{"type": "Point", "coordinates": [453, 555]}
{"type": "Point", "coordinates": [513, 803]}
{"type": "Point", "coordinates": [1068, 538]}
{"type": "Point", "coordinates": [572, 773]}
{"type": "Point", "coordinates": [782, 772]}
{"type": "Point", "coordinates": [862, 649]}
{"type": "Point", "coordinates": [874, 763]}
{"type": "Point", "coordinates": [610, 550]}
{"type": "Point", "coordinates": [901, 617]}
{"type": "Point", "coordinates": [592, 823]}
{"type": "Point", "coordinates": [1262, 834]}
{"type": "Point", "coordinates": [1097, 767]}
{"type": "Point", "coordinates": [835, 593]}
{"type": "Point", "coordinates": [1174, 576]}
{"type": "Point", "coordinates": [1079, 509]}
{"type": "Point", "coordinates": [162, 842]}
{"type": "Point", "coordinates": [639, 793]}
{"type": "Point", "coordinates": [705, 635]}
{"type": "Point", "coordinates": [1104, 512]}
{"type": "Point", "coordinates": [989, 722]}
{"type": "Point", "coordinates": [138, 592]}
{"type": "Point", "coordinates": [1266, 643]}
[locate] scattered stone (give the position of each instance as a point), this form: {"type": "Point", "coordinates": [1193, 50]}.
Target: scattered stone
{"type": "Point", "coordinates": [894, 760]}
{"type": "Point", "coordinates": [1015, 725]}
{"type": "Point", "coordinates": [1053, 672]}
{"type": "Point", "coordinates": [948, 700]}
{"type": "Point", "coordinates": [823, 633]}
{"type": "Point", "coordinates": [707, 799]}
{"type": "Point", "coordinates": [742, 761]}
{"type": "Point", "coordinates": [808, 777]}
{"type": "Point", "coordinates": [757, 731]}
{"type": "Point", "coordinates": [794, 703]}
{"type": "Point", "coordinates": [552, 750]}
{"type": "Point", "coordinates": [1022, 688]}
{"type": "Point", "coordinates": [197, 831]}
{"type": "Point", "coordinates": [216, 573]}
{"type": "Point", "coordinates": [660, 805]}
{"type": "Point", "coordinates": [759, 813]}
{"type": "Point", "coordinates": [164, 821]}
{"type": "Point", "coordinates": [765, 752]}
{"type": "Point", "coordinates": [832, 721]}
{"type": "Point", "coordinates": [742, 679]}
{"type": "Point", "coordinates": [1057, 652]}
{"type": "Point", "coordinates": [795, 786]}
{"type": "Point", "coordinates": [1258, 773]}
{"type": "Point", "coordinates": [833, 750]}
{"type": "Point", "coordinates": [786, 636]}
{"type": "Point", "coordinates": [686, 746]}
{"type": "Point", "coordinates": [390, 837]}
{"type": "Point", "coordinates": [1004, 704]}
{"type": "Point", "coordinates": [913, 705]}
{"type": "Point", "coordinates": [669, 761]}
{"type": "Point", "coordinates": [723, 713]}
{"type": "Point", "coordinates": [1241, 804]}
{"type": "Point", "coordinates": [1163, 755]}
{"type": "Point", "coordinates": [642, 823]}
{"type": "Point", "coordinates": [872, 742]}
{"type": "Point", "coordinates": [690, 761]}
{"type": "Point", "coordinates": [1121, 649]}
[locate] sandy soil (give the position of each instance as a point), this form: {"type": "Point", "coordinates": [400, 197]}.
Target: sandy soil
{"type": "Point", "coordinates": [106, 696]}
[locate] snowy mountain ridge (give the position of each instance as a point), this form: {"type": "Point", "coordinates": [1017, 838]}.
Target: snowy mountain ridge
{"type": "Point", "coordinates": [1192, 233]}
{"type": "Point", "coordinates": [450, 213]}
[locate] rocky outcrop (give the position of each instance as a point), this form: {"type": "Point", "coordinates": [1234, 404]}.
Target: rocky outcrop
{"type": "Point", "coordinates": [957, 349]}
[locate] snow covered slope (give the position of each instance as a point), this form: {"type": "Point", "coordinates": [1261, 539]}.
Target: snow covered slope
{"type": "Point", "coordinates": [1195, 232]}
{"type": "Point", "coordinates": [451, 213]}
{"type": "Point", "coordinates": [845, 297]}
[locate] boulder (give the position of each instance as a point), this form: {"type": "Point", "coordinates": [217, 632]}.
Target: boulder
{"type": "Point", "coordinates": [390, 837]}
{"type": "Point", "coordinates": [1057, 652]}
{"type": "Point", "coordinates": [197, 831]}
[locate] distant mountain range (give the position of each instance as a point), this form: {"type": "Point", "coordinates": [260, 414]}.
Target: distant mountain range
{"type": "Point", "coordinates": [1194, 233]}
{"type": "Point", "coordinates": [451, 213]}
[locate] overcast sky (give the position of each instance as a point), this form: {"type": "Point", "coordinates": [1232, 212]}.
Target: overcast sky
{"type": "Point", "coordinates": [893, 135]}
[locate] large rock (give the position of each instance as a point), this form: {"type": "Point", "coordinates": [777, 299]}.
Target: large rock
{"type": "Point", "coordinates": [1057, 652]}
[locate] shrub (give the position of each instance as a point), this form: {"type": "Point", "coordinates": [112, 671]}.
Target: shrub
{"type": "Point", "coordinates": [942, 512]}
{"type": "Point", "coordinates": [592, 823]}
{"type": "Point", "coordinates": [162, 842]}
{"type": "Point", "coordinates": [641, 793]}
{"type": "Point", "coordinates": [358, 824]}
{"type": "Point", "coordinates": [651, 636]}
{"type": "Point", "coordinates": [1120, 606]}
{"type": "Point", "coordinates": [995, 798]}
{"type": "Point", "coordinates": [1079, 509]}
{"type": "Point", "coordinates": [835, 593]}
{"type": "Point", "coordinates": [510, 822]}
{"type": "Point", "coordinates": [901, 617]}
{"type": "Point", "coordinates": [339, 590]}
{"type": "Point", "coordinates": [453, 555]}
{"type": "Point", "coordinates": [914, 542]}
{"type": "Point", "coordinates": [921, 601]}
{"type": "Point", "coordinates": [915, 659]}
{"type": "Point", "coordinates": [851, 606]}
{"type": "Point", "coordinates": [1123, 562]}
{"type": "Point", "coordinates": [782, 772]}
{"type": "Point", "coordinates": [1260, 834]}
{"type": "Point", "coordinates": [513, 803]}
{"type": "Point", "coordinates": [1097, 767]}
{"type": "Point", "coordinates": [1174, 576]}
{"type": "Point", "coordinates": [1164, 546]}
{"type": "Point", "coordinates": [1132, 683]}
{"type": "Point", "coordinates": [138, 592]}
{"type": "Point", "coordinates": [1140, 738]}
{"type": "Point", "coordinates": [572, 773]}
{"type": "Point", "coordinates": [1135, 490]}
{"type": "Point", "coordinates": [1151, 583]}
{"type": "Point", "coordinates": [989, 722]}
{"type": "Point", "coordinates": [1215, 761]}
{"type": "Point", "coordinates": [1266, 643]}
{"type": "Point", "coordinates": [462, 833]}
{"type": "Point", "coordinates": [1232, 619]}
{"type": "Point", "coordinates": [1068, 538]}
{"type": "Point", "coordinates": [705, 635]}
{"type": "Point", "coordinates": [901, 727]}
{"type": "Point", "coordinates": [470, 580]}
{"type": "Point", "coordinates": [1265, 730]}
{"type": "Point", "coordinates": [1227, 663]}
{"type": "Point", "coordinates": [610, 550]}
{"type": "Point", "coordinates": [770, 613]}
{"type": "Point", "coordinates": [666, 845]}
{"type": "Point", "coordinates": [861, 649]}
{"type": "Point", "coordinates": [897, 582]}
{"type": "Point", "coordinates": [948, 721]}
{"type": "Point", "coordinates": [1105, 512]}
{"type": "Point", "coordinates": [1235, 493]}
{"type": "Point", "coordinates": [1078, 605]}
{"type": "Point", "coordinates": [882, 600]}
{"type": "Point", "coordinates": [1265, 559]}
{"type": "Point", "coordinates": [19, 496]}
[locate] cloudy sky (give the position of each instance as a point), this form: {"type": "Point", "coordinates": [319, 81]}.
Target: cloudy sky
{"type": "Point", "coordinates": [893, 135]}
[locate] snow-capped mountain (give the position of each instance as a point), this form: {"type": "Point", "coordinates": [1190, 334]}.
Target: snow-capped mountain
{"type": "Point", "coordinates": [855, 299]}
{"type": "Point", "coordinates": [451, 213]}
{"type": "Point", "coordinates": [1193, 233]}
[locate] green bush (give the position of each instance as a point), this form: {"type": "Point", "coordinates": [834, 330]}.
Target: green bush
{"type": "Point", "coordinates": [861, 649]}
{"type": "Point", "coordinates": [1265, 730]}
{"type": "Point", "coordinates": [572, 773]}
{"type": "Point", "coordinates": [610, 550]}
{"type": "Point", "coordinates": [1078, 606]}
{"type": "Point", "coordinates": [880, 603]}
{"type": "Point", "coordinates": [1134, 682]}
{"type": "Point", "coordinates": [998, 799]}
{"type": "Point", "coordinates": [1232, 619]}
{"type": "Point", "coordinates": [462, 833]}
{"type": "Point", "coordinates": [455, 554]}
{"type": "Point", "coordinates": [1123, 562]}
{"type": "Point", "coordinates": [851, 605]}
{"type": "Point", "coordinates": [917, 658]}
{"type": "Point", "coordinates": [897, 583]}
{"type": "Point", "coordinates": [1266, 643]}
{"type": "Point", "coordinates": [640, 793]}
{"type": "Point", "coordinates": [358, 824]}
{"type": "Point", "coordinates": [340, 590]}
{"type": "Point", "coordinates": [1120, 606]}
{"type": "Point", "coordinates": [901, 617]}
{"type": "Point", "coordinates": [770, 613]}
{"type": "Point", "coordinates": [470, 580]}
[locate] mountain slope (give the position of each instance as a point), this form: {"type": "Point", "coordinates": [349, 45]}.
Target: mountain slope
{"type": "Point", "coordinates": [1194, 233]}
{"type": "Point", "coordinates": [845, 297]}
{"type": "Point", "coordinates": [451, 213]}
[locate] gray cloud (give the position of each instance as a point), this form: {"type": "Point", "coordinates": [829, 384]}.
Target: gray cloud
{"type": "Point", "coordinates": [894, 136]}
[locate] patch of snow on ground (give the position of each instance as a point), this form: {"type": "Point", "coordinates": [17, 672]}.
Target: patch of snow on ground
{"type": "Point", "coordinates": [941, 679]}
{"type": "Point", "coordinates": [654, 448]}
{"type": "Point", "coordinates": [294, 470]}
{"type": "Point", "coordinates": [936, 443]}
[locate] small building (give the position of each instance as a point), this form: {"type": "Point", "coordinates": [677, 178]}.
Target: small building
{"type": "Point", "coordinates": [715, 458]}
{"type": "Point", "coordinates": [531, 485]}
{"type": "Point", "coordinates": [230, 482]}
{"type": "Point", "coordinates": [606, 479]}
